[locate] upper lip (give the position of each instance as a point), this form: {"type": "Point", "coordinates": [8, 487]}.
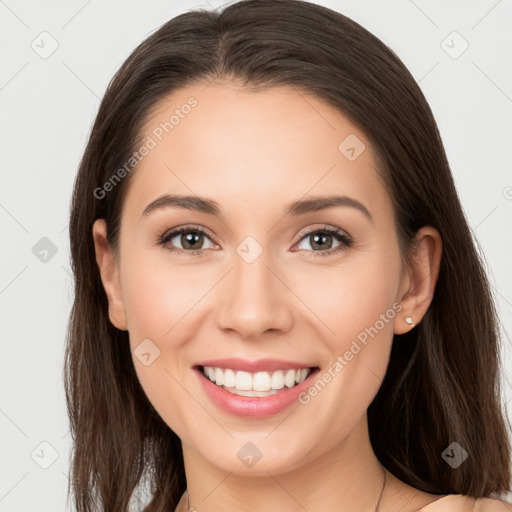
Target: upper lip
{"type": "Point", "coordinates": [261, 365]}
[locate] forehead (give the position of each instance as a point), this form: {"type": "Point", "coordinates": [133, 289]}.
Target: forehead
{"type": "Point", "coordinates": [252, 149]}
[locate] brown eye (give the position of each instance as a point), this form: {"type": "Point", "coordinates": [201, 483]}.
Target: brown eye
{"type": "Point", "coordinates": [321, 241]}
{"type": "Point", "coordinates": [190, 238]}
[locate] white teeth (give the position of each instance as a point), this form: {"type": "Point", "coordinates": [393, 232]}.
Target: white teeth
{"type": "Point", "coordinates": [259, 394]}
{"type": "Point", "coordinates": [277, 381]}
{"type": "Point", "coordinates": [255, 384]}
{"type": "Point", "coordinates": [289, 378]}
{"type": "Point", "coordinates": [219, 376]}
{"type": "Point", "coordinates": [261, 381]}
{"type": "Point", "coordinates": [243, 381]}
{"type": "Point", "coordinates": [229, 378]}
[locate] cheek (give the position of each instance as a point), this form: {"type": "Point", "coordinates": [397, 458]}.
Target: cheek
{"type": "Point", "coordinates": [359, 308]}
{"type": "Point", "coordinates": [352, 298]}
{"type": "Point", "coordinates": [157, 296]}
{"type": "Point", "coordinates": [359, 301]}
{"type": "Point", "coordinates": [159, 305]}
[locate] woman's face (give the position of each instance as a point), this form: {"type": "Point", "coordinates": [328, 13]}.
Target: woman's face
{"type": "Point", "coordinates": [269, 282]}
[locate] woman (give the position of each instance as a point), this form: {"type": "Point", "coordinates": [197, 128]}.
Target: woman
{"type": "Point", "coordinates": [278, 301]}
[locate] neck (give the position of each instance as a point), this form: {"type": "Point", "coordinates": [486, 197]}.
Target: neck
{"type": "Point", "coordinates": [345, 478]}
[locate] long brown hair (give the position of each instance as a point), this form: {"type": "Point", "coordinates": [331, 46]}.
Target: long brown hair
{"type": "Point", "coordinates": [442, 383]}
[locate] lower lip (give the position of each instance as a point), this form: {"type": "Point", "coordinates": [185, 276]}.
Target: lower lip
{"type": "Point", "coordinates": [253, 407]}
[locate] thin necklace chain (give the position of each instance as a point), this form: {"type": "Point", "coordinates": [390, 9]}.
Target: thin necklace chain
{"type": "Point", "coordinates": [377, 506]}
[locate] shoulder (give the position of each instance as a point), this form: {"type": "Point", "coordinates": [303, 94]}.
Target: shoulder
{"type": "Point", "coordinates": [461, 503]}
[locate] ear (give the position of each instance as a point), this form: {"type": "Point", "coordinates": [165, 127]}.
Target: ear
{"type": "Point", "coordinates": [419, 279]}
{"type": "Point", "coordinates": [109, 271]}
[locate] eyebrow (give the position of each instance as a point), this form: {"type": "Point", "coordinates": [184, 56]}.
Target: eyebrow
{"type": "Point", "coordinates": [295, 208]}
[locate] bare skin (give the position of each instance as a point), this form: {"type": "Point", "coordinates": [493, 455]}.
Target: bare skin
{"type": "Point", "coordinates": [253, 153]}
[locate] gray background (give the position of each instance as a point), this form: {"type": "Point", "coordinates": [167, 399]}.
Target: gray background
{"type": "Point", "coordinates": [48, 103]}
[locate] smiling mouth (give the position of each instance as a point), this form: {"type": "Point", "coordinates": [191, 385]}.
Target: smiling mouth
{"type": "Point", "coordinates": [257, 384]}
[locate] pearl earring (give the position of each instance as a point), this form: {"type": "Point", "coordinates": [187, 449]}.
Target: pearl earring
{"type": "Point", "coordinates": [408, 319]}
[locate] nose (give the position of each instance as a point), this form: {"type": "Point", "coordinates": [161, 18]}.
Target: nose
{"type": "Point", "coordinates": [254, 299]}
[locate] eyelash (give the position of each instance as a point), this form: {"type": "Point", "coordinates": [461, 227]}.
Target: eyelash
{"type": "Point", "coordinates": [346, 240]}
